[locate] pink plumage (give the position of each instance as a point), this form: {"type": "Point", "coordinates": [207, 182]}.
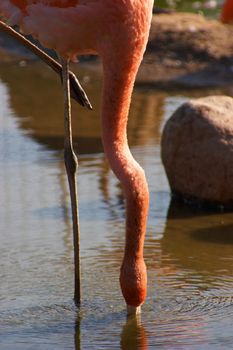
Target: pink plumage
{"type": "Point", "coordinates": [83, 28]}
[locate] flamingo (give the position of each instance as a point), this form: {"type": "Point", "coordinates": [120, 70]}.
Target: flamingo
{"type": "Point", "coordinates": [118, 32]}
{"type": "Point", "coordinates": [227, 12]}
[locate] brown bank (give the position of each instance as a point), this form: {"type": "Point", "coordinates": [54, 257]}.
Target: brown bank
{"type": "Point", "coordinates": [187, 50]}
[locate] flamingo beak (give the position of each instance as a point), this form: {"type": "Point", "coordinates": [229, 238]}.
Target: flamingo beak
{"type": "Point", "coordinates": [133, 310]}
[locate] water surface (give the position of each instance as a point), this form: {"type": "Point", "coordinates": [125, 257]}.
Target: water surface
{"type": "Point", "coordinates": [188, 253]}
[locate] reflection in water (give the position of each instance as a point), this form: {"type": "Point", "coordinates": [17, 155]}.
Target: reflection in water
{"type": "Point", "coordinates": [208, 236]}
{"type": "Point", "coordinates": [133, 335]}
{"type": "Point", "coordinates": [188, 253]}
{"type": "Point", "coordinates": [77, 334]}
{"type": "Point", "coordinates": [43, 118]}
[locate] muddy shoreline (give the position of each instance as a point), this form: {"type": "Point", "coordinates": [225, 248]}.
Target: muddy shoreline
{"type": "Point", "coordinates": [188, 50]}
{"type": "Point", "coordinates": [184, 51]}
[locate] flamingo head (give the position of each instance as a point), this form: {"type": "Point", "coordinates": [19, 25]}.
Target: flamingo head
{"type": "Point", "coordinates": [133, 281]}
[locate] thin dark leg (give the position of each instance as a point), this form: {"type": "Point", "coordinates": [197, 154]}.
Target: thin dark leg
{"type": "Point", "coordinates": [71, 164]}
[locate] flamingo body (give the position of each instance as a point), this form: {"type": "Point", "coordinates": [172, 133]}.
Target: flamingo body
{"type": "Point", "coordinates": [116, 30]}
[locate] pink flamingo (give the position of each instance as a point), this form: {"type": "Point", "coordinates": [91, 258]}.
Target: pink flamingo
{"type": "Point", "coordinates": [227, 12]}
{"type": "Point", "coordinates": [118, 32]}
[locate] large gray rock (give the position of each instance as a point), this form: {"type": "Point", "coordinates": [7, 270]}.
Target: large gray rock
{"type": "Point", "coordinates": [197, 151]}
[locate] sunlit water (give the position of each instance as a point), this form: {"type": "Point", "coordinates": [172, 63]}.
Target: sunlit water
{"type": "Point", "coordinates": [189, 254]}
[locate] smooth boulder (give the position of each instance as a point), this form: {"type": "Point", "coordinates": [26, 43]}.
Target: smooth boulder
{"type": "Point", "coordinates": [197, 151]}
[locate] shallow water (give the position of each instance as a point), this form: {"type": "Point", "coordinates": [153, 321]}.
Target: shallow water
{"type": "Point", "coordinates": [188, 253]}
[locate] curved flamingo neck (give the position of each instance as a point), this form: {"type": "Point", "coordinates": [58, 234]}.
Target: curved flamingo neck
{"type": "Point", "coordinates": [117, 93]}
{"type": "Point", "coordinates": [118, 85]}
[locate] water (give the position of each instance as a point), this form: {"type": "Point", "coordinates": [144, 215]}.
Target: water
{"type": "Point", "coordinates": [188, 253]}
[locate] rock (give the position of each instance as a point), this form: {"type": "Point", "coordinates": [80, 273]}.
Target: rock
{"type": "Point", "coordinates": [197, 151]}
